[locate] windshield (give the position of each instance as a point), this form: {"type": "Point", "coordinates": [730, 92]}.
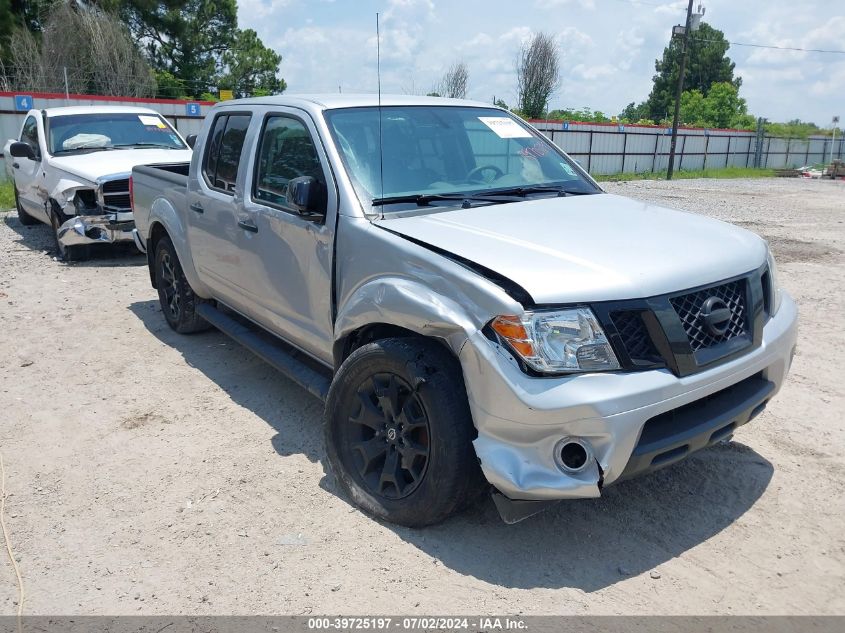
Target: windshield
{"type": "Point", "coordinates": [431, 151]}
{"type": "Point", "coordinates": [108, 130]}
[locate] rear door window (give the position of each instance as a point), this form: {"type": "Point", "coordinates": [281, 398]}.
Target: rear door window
{"type": "Point", "coordinates": [223, 152]}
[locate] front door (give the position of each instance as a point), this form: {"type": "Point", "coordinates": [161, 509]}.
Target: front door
{"type": "Point", "coordinates": [29, 180]}
{"type": "Point", "coordinates": [288, 256]}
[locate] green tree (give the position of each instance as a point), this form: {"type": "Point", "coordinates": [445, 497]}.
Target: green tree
{"type": "Point", "coordinates": [635, 112]}
{"type": "Point", "coordinates": [707, 64]}
{"type": "Point", "coordinates": [185, 38]}
{"type": "Point", "coordinates": [722, 107]}
{"type": "Point", "coordinates": [252, 68]}
{"type": "Point", "coordinates": [169, 86]}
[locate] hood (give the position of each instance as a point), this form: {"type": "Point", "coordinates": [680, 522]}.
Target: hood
{"type": "Point", "coordinates": [94, 165]}
{"type": "Point", "coordinates": [590, 248]}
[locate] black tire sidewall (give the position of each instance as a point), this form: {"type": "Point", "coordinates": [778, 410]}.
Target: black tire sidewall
{"type": "Point", "coordinates": [452, 470]}
{"type": "Point", "coordinates": [188, 321]}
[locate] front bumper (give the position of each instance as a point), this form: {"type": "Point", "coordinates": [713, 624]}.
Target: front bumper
{"type": "Point", "coordinates": [110, 228]}
{"type": "Point", "coordinates": [520, 419]}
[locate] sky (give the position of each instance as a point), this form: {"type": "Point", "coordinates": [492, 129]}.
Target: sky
{"type": "Point", "coordinates": [607, 47]}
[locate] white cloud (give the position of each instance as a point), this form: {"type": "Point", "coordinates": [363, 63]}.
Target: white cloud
{"type": "Point", "coordinates": [607, 48]}
{"type": "Point", "coordinates": [555, 4]}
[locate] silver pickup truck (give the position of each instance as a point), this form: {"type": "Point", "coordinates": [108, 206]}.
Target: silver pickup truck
{"type": "Point", "coordinates": [467, 300]}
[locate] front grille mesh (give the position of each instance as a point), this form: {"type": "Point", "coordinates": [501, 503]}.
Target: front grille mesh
{"type": "Point", "coordinates": [120, 201]}
{"type": "Point", "coordinates": [116, 186]}
{"type": "Point", "coordinates": [688, 308]}
{"type": "Point", "coordinates": [116, 194]}
{"type": "Point", "coordinates": [634, 335]}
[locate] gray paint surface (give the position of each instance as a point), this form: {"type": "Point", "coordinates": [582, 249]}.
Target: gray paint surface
{"type": "Point", "coordinates": [562, 250]}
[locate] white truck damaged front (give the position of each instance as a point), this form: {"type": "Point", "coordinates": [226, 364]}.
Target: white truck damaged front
{"type": "Point", "coordinates": [71, 168]}
{"type": "Point", "coordinates": [93, 212]}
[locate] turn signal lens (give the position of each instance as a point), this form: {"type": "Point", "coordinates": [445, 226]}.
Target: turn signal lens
{"type": "Point", "coordinates": [513, 331]}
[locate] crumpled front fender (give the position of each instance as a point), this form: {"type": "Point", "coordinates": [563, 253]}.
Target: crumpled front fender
{"type": "Point", "coordinates": [66, 189]}
{"type": "Point", "coordinates": [408, 304]}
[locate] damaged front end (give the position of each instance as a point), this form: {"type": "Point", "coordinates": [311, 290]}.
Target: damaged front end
{"type": "Point", "coordinates": [97, 216]}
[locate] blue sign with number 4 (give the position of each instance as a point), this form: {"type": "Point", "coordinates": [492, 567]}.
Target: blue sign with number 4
{"type": "Point", "coordinates": [23, 103]}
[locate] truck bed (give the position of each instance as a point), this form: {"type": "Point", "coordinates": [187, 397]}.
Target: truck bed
{"type": "Point", "coordinates": [153, 182]}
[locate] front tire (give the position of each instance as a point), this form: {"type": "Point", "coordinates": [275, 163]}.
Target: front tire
{"type": "Point", "coordinates": [399, 432]}
{"type": "Point", "coordinates": [64, 253]}
{"type": "Point", "coordinates": [177, 298]}
{"type": "Point", "coordinates": [23, 216]}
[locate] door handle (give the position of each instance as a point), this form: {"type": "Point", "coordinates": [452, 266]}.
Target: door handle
{"type": "Point", "coordinates": [247, 225]}
{"type": "Point", "coordinates": [196, 206]}
{"type": "Point", "coordinates": [16, 165]}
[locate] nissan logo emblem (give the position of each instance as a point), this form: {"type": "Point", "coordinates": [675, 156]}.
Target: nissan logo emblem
{"type": "Point", "coordinates": [715, 316]}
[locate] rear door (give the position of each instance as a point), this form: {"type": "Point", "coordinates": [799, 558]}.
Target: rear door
{"type": "Point", "coordinates": [287, 256]}
{"type": "Point", "coordinates": [29, 178]}
{"type": "Point", "coordinates": [214, 197]}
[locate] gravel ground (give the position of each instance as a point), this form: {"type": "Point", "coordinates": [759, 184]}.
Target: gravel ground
{"type": "Point", "coordinates": [152, 473]}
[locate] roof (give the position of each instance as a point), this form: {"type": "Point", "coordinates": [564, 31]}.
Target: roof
{"type": "Point", "coordinates": [332, 101]}
{"type": "Point", "coordinates": [105, 109]}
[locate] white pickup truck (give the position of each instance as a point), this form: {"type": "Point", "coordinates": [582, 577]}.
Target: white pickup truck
{"type": "Point", "coordinates": [465, 298]}
{"type": "Point", "coordinates": [70, 168]}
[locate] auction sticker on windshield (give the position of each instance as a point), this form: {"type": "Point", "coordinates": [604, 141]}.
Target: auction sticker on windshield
{"type": "Point", "coordinates": [505, 127]}
{"type": "Point", "coordinates": [152, 120]}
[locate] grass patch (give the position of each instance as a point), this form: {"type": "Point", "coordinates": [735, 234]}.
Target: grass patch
{"type": "Point", "coordinates": [723, 172]}
{"type": "Point", "coordinates": [7, 195]}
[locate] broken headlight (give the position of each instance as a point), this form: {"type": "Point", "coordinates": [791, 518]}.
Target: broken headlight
{"type": "Point", "coordinates": [560, 341]}
{"type": "Point", "coordinates": [85, 202]}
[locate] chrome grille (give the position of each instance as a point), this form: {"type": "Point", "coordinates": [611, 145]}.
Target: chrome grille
{"type": "Point", "coordinates": [116, 194]}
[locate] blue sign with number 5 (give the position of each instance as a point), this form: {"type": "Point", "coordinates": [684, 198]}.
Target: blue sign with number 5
{"type": "Point", "coordinates": [193, 109]}
{"type": "Point", "coordinates": [23, 103]}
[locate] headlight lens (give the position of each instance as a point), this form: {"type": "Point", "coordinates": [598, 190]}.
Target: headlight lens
{"type": "Point", "coordinates": [775, 295]}
{"type": "Point", "coordinates": [558, 342]}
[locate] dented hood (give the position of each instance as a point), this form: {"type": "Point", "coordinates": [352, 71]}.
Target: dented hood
{"type": "Point", "coordinates": [93, 165]}
{"type": "Point", "coordinates": [590, 248]}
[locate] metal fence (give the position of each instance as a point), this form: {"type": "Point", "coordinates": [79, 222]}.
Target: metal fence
{"type": "Point", "coordinates": [606, 149]}
{"type": "Point", "coordinates": [601, 148]}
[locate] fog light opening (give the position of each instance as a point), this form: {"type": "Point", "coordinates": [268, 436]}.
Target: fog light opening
{"type": "Point", "coordinates": [573, 455]}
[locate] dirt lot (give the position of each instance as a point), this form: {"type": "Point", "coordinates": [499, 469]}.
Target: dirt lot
{"type": "Point", "coordinates": [154, 473]}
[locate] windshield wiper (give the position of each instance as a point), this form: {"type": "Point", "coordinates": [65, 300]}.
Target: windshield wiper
{"type": "Point", "coordinates": [423, 199]}
{"type": "Point", "coordinates": [162, 145]}
{"type": "Point", "coordinates": [87, 148]}
{"type": "Point", "coordinates": [522, 192]}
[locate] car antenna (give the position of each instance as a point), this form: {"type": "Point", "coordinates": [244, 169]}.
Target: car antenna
{"type": "Point", "coordinates": [380, 147]}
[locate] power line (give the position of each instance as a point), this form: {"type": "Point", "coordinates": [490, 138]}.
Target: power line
{"type": "Point", "coordinates": [786, 48]}
{"type": "Point", "coordinates": [771, 46]}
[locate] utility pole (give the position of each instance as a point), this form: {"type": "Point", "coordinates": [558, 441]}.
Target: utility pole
{"type": "Point", "coordinates": [684, 48]}
{"type": "Point", "coordinates": [833, 142]}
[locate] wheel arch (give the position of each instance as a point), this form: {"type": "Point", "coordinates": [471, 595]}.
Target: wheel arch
{"type": "Point", "coordinates": [399, 308]}
{"type": "Point", "coordinates": [165, 221]}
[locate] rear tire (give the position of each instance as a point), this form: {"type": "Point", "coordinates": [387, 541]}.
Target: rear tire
{"type": "Point", "coordinates": [399, 432]}
{"type": "Point", "coordinates": [177, 298]}
{"type": "Point", "coordinates": [23, 216]}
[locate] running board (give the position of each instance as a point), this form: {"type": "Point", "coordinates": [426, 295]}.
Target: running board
{"type": "Point", "coordinates": [270, 350]}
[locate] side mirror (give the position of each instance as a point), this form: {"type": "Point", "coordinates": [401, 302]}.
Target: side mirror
{"type": "Point", "coordinates": [22, 150]}
{"type": "Point", "coordinates": [191, 140]}
{"type": "Point", "coordinates": [307, 196]}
